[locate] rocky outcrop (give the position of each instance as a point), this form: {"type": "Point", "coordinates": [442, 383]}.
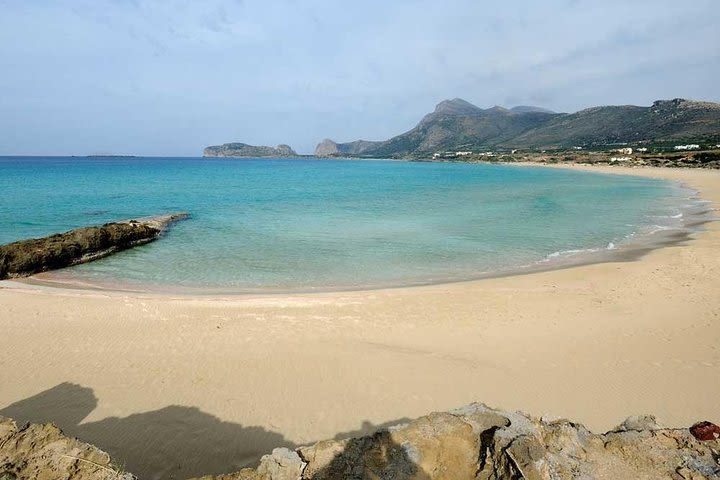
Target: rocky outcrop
{"type": "Point", "coordinates": [42, 452]}
{"type": "Point", "coordinates": [26, 257]}
{"type": "Point", "coordinates": [457, 125]}
{"type": "Point", "coordinates": [329, 148]}
{"type": "Point", "coordinates": [474, 443]}
{"type": "Point", "coordinates": [245, 150]}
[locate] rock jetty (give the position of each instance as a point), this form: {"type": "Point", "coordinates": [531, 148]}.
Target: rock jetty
{"type": "Point", "coordinates": [27, 257]}
{"type": "Point", "coordinates": [475, 442]}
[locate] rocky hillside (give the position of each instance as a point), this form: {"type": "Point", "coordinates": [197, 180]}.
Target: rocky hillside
{"type": "Point", "coordinates": [453, 125]}
{"type": "Point", "coordinates": [471, 443]}
{"type": "Point", "coordinates": [245, 150]}
{"type": "Point", "coordinates": [457, 125]}
{"type": "Point", "coordinates": [665, 120]}
{"type": "Point", "coordinates": [328, 148]}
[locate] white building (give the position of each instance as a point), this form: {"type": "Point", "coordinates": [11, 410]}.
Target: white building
{"type": "Point", "coordinates": [691, 146]}
{"type": "Point", "coordinates": [625, 151]}
{"type": "Point", "coordinates": [642, 149]}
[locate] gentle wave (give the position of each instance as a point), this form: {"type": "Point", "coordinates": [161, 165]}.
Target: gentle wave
{"type": "Point", "coordinates": [306, 225]}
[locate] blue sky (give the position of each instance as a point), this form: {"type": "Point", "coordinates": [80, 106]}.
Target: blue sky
{"type": "Point", "coordinates": [167, 77]}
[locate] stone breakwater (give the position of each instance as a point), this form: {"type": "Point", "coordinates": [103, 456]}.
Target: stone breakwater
{"type": "Point", "coordinates": [27, 257]}
{"type": "Point", "coordinates": [474, 442]}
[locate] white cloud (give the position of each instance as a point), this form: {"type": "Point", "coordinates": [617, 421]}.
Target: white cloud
{"type": "Point", "coordinates": [171, 76]}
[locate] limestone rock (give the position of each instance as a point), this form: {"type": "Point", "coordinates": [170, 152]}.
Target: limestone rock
{"type": "Point", "coordinates": [640, 422]}
{"type": "Point", "coordinates": [42, 452]}
{"type": "Point", "coordinates": [475, 442]}
{"type": "Point", "coordinates": [327, 148]}
{"type": "Point", "coordinates": [282, 464]}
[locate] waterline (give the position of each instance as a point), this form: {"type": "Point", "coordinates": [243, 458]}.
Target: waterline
{"type": "Point", "coordinates": [302, 225]}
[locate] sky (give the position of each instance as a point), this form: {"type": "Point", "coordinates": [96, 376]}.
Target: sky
{"type": "Point", "coordinates": [168, 77]}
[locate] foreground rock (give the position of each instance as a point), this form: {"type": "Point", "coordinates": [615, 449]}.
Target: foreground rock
{"type": "Point", "coordinates": [475, 442]}
{"type": "Point", "coordinates": [42, 452]}
{"type": "Point", "coordinates": [26, 257]}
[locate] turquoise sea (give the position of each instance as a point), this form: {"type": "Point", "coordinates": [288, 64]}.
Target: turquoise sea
{"type": "Point", "coordinates": [308, 224]}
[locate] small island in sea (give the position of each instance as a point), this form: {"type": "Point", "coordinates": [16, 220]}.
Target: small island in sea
{"type": "Point", "coordinates": [237, 149]}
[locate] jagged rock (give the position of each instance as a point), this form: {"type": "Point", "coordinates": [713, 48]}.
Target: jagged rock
{"type": "Point", "coordinates": [42, 452]}
{"type": "Point", "coordinates": [447, 445]}
{"type": "Point", "coordinates": [282, 464]}
{"type": "Point", "coordinates": [26, 257]}
{"type": "Point", "coordinates": [475, 442]}
{"type": "Point", "coordinates": [640, 422]}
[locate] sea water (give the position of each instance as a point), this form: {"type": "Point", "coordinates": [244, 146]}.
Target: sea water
{"type": "Point", "coordinates": [313, 224]}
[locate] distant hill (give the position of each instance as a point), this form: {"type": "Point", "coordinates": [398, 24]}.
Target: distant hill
{"type": "Point", "coordinates": [665, 120]}
{"type": "Point", "coordinates": [245, 150]}
{"type": "Point", "coordinates": [529, 108]}
{"type": "Point", "coordinates": [459, 125]}
{"type": "Point", "coordinates": [328, 148]}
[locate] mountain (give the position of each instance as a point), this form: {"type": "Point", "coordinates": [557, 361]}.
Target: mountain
{"type": "Point", "coordinates": [459, 125]}
{"type": "Point", "coordinates": [529, 108]}
{"type": "Point", "coordinates": [665, 120]}
{"type": "Point", "coordinates": [245, 150]}
{"type": "Point", "coordinates": [454, 124]}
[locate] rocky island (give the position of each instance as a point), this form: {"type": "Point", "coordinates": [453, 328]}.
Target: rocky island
{"type": "Point", "coordinates": [245, 150]}
{"type": "Point", "coordinates": [473, 442]}
{"type": "Point", "coordinates": [81, 245]}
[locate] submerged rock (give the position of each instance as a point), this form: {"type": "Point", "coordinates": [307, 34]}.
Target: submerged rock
{"type": "Point", "coordinates": [474, 443]}
{"type": "Point", "coordinates": [26, 257]}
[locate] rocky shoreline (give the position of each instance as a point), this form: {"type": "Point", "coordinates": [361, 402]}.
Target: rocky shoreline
{"type": "Point", "coordinates": [473, 442]}
{"type": "Point", "coordinates": [81, 245]}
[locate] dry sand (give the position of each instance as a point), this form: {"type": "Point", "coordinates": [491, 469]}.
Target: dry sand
{"type": "Point", "coordinates": [181, 386]}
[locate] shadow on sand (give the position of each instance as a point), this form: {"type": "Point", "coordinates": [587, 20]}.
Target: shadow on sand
{"type": "Point", "coordinates": [179, 442]}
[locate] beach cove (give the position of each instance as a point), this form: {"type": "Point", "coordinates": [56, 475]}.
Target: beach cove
{"type": "Point", "coordinates": [595, 343]}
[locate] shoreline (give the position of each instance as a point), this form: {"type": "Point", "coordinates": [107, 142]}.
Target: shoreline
{"type": "Point", "coordinates": [596, 343]}
{"type": "Point", "coordinates": [631, 248]}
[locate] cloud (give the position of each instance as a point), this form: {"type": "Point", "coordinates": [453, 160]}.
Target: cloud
{"type": "Point", "coordinates": [170, 77]}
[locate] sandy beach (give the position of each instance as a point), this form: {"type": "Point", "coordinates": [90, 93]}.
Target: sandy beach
{"type": "Point", "coordinates": [182, 386]}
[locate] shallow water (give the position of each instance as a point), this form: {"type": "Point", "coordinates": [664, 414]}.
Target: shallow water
{"type": "Point", "coordinates": [304, 224]}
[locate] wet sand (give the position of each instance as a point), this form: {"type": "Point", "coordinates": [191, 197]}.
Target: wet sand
{"type": "Point", "coordinates": [239, 375]}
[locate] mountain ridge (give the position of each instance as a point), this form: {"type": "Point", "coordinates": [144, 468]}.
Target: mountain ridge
{"type": "Point", "coordinates": [456, 124]}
